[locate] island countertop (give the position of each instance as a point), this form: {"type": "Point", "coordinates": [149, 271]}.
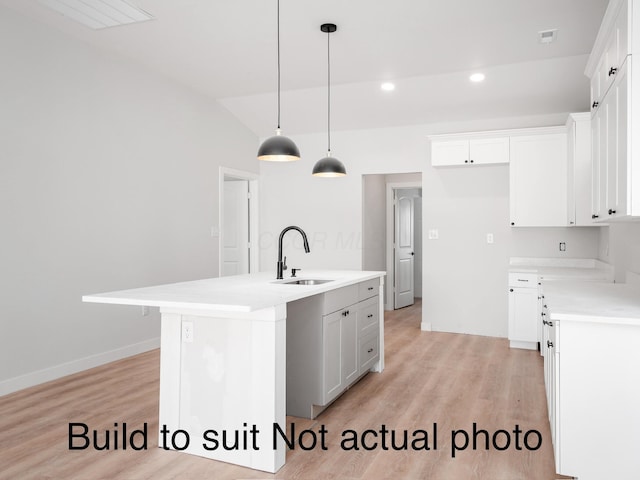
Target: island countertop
{"type": "Point", "coordinates": [238, 293]}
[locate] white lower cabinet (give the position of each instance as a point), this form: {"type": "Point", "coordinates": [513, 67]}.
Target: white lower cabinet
{"type": "Point", "coordinates": [593, 396]}
{"type": "Point", "coordinates": [523, 310]}
{"type": "Point", "coordinates": [333, 339]}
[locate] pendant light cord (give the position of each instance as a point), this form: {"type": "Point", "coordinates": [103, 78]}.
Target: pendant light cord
{"type": "Point", "coordinates": [278, 23]}
{"type": "Point", "coordinates": [328, 96]}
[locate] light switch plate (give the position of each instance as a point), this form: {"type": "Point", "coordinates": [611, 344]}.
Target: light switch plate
{"type": "Point", "coordinates": [433, 234]}
{"type": "Point", "coordinates": [489, 238]}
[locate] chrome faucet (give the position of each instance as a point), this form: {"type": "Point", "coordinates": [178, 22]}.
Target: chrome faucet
{"type": "Point", "coordinates": [282, 266]}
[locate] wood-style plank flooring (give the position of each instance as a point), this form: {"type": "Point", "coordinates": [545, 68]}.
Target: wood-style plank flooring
{"type": "Point", "coordinates": [447, 379]}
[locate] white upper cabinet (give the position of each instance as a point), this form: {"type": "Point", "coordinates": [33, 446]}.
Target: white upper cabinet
{"type": "Point", "coordinates": [451, 150]}
{"type": "Point", "coordinates": [610, 53]}
{"type": "Point", "coordinates": [579, 206]}
{"type": "Point", "coordinates": [615, 157]}
{"type": "Point", "coordinates": [538, 180]}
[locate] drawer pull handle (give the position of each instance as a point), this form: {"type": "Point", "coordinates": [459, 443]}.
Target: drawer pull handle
{"type": "Point", "coordinates": [544, 322]}
{"type": "Point", "coordinates": [370, 315]}
{"type": "Point", "coordinates": [522, 280]}
{"type": "Point", "coordinates": [370, 350]}
{"type": "Point", "coordinates": [611, 212]}
{"type": "Point", "coordinates": [345, 313]}
{"type": "Point", "coordinates": [549, 344]}
{"type": "Point", "coordinates": [369, 288]}
{"type": "Point", "coordinates": [612, 71]}
{"type": "Point", "coordinates": [594, 104]}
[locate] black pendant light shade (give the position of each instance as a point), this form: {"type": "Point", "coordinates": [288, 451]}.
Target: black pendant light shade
{"type": "Point", "coordinates": [329, 166]}
{"type": "Point", "coordinates": [278, 148]}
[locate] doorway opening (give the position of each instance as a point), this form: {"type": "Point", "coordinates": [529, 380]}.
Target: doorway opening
{"type": "Point", "coordinates": [392, 234]}
{"type": "Point", "coordinates": [238, 222]}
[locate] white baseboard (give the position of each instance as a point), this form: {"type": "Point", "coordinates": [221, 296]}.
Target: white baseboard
{"type": "Point", "coordinates": [57, 371]}
{"type": "Point", "coordinates": [426, 326]}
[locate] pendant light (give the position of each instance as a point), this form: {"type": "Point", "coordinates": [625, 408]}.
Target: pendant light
{"type": "Point", "coordinates": [278, 148]}
{"type": "Point", "coordinates": [329, 166]}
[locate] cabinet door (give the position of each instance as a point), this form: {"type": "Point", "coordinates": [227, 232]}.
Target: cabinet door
{"type": "Point", "coordinates": [538, 180]}
{"type": "Point", "coordinates": [617, 146]}
{"type": "Point", "coordinates": [332, 358]}
{"type": "Point", "coordinates": [349, 347]}
{"type": "Point", "coordinates": [596, 197]}
{"type": "Point", "coordinates": [449, 152]}
{"type": "Point", "coordinates": [571, 169]}
{"type": "Point", "coordinates": [489, 150]}
{"type": "Point", "coordinates": [523, 315]}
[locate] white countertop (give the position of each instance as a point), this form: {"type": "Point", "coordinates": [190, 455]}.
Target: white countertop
{"type": "Point", "coordinates": [593, 302]}
{"type": "Point", "coordinates": [581, 269]}
{"type": "Point", "coordinates": [239, 293]}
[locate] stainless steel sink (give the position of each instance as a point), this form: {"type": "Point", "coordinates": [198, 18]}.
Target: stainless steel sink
{"type": "Point", "coordinates": [306, 281]}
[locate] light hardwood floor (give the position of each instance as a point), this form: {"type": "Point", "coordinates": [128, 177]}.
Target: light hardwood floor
{"type": "Point", "coordinates": [448, 379]}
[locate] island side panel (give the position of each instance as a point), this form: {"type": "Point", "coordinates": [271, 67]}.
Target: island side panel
{"type": "Point", "coordinates": [231, 379]}
{"type": "Point", "coordinates": [379, 366]}
{"type": "Point", "coordinates": [170, 343]}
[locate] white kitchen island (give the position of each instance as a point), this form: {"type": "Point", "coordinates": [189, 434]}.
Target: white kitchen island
{"type": "Point", "coordinates": [223, 357]}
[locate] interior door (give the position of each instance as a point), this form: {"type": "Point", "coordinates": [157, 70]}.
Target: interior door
{"type": "Point", "coordinates": [235, 234]}
{"type": "Point", "coordinates": [404, 250]}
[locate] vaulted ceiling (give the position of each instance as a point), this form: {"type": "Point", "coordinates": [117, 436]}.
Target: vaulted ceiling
{"type": "Point", "coordinates": [428, 48]}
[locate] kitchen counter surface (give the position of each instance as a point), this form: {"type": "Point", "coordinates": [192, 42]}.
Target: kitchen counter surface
{"type": "Point", "coordinates": [614, 303]}
{"type": "Point", "coordinates": [239, 293]}
{"type": "Point", "coordinates": [580, 269]}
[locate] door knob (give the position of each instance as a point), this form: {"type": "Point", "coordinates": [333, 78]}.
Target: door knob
{"type": "Point", "coordinates": [412, 253]}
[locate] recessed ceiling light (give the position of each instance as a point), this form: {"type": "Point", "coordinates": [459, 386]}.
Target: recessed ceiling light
{"type": "Point", "coordinates": [387, 86]}
{"type": "Point", "coordinates": [98, 14]}
{"type": "Point", "coordinates": [477, 77]}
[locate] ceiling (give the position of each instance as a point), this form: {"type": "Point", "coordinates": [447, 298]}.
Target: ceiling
{"type": "Point", "coordinates": [428, 48]}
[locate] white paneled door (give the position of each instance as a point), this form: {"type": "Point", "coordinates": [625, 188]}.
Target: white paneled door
{"type": "Point", "coordinates": [404, 250]}
{"type": "Point", "coordinates": [235, 236]}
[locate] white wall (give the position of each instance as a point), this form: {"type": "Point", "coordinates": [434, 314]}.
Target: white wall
{"type": "Point", "coordinates": [624, 249]}
{"type": "Point", "coordinates": [464, 278]}
{"type": "Point", "coordinates": [108, 180]}
{"type": "Point", "coordinates": [580, 242]}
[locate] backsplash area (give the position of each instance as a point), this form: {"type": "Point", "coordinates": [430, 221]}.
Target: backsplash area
{"type": "Point", "coordinates": [579, 242]}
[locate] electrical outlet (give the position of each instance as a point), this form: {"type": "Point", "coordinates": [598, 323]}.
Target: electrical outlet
{"type": "Point", "coordinates": [489, 238]}
{"type": "Point", "coordinates": [563, 247]}
{"type": "Point", "coordinates": [187, 332]}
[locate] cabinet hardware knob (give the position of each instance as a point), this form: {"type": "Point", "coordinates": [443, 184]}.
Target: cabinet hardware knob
{"type": "Point", "coordinates": [594, 216]}
{"type": "Point", "coordinates": [544, 322]}
{"type": "Point", "coordinates": [611, 212]}
{"type": "Point", "coordinates": [471, 161]}
{"type": "Point", "coordinates": [370, 315]}
{"type": "Point", "coordinates": [612, 71]}
{"type": "Point", "coordinates": [511, 289]}
{"type": "Point", "coordinates": [370, 350]}
{"type": "Point", "coordinates": [466, 161]}
{"type": "Point", "coordinates": [544, 314]}
{"type": "Point", "coordinates": [594, 104]}
{"type": "Point", "coordinates": [549, 344]}
{"type": "Point", "coordinates": [512, 223]}
{"type": "Point", "coordinates": [370, 288]}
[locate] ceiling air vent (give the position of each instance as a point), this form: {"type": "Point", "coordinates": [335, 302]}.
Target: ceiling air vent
{"type": "Point", "coordinates": [547, 36]}
{"type": "Point", "coordinates": [98, 14]}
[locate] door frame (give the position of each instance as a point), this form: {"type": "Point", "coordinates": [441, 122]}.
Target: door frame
{"type": "Point", "coordinates": [252, 178]}
{"type": "Point", "coordinates": [391, 187]}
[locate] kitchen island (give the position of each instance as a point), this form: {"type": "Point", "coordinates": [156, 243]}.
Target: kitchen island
{"type": "Point", "coordinates": [223, 355]}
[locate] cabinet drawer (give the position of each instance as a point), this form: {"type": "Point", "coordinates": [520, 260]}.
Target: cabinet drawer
{"type": "Point", "coordinates": [368, 316]}
{"type": "Point", "coordinates": [339, 298]}
{"type": "Point", "coordinates": [369, 351]}
{"type": "Point", "coordinates": [368, 289]}
{"type": "Point", "coordinates": [523, 280]}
